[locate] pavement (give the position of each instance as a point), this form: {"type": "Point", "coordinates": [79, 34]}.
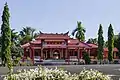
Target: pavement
{"type": "Point", "coordinates": [110, 69]}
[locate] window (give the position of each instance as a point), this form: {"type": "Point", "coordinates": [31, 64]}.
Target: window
{"type": "Point", "coordinates": [58, 42]}
{"type": "Point", "coordinates": [75, 53]}
{"type": "Point", "coordinates": [48, 42]}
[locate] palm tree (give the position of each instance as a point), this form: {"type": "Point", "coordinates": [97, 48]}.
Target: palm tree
{"type": "Point", "coordinates": [26, 35]}
{"type": "Point", "coordinates": [37, 34]}
{"type": "Point", "coordinates": [14, 37]}
{"type": "Point", "coordinates": [79, 32]}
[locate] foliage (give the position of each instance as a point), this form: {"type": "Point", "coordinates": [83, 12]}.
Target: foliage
{"type": "Point", "coordinates": [6, 38]}
{"type": "Point", "coordinates": [93, 41]}
{"type": "Point", "coordinates": [92, 75]}
{"type": "Point", "coordinates": [14, 37]}
{"type": "Point", "coordinates": [16, 61]}
{"type": "Point", "coordinates": [79, 32]}
{"type": "Point", "coordinates": [16, 51]}
{"type": "Point", "coordinates": [118, 45]}
{"type": "Point", "coordinates": [27, 62]}
{"type": "Point", "coordinates": [115, 40]}
{"type": "Point", "coordinates": [26, 35]}
{"type": "Point", "coordinates": [86, 57]}
{"type": "Point", "coordinates": [106, 44]}
{"type": "Point", "coordinates": [42, 73]}
{"type": "Point", "coordinates": [100, 43]}
{"type": "Point", "coordinates": [110, 43]}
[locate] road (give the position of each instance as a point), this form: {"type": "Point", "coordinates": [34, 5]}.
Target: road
{"type": "Point", "coordinates": [110, 69]}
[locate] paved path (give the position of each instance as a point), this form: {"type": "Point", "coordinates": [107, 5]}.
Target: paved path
{"type": "Point", "coordinates": [113, 70]}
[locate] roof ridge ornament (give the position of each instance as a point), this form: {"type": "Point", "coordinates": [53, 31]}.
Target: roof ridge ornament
{"type": "Point", "coordinates": [41, 32]}
{"type": "Point", "coordinates": [66, 33]}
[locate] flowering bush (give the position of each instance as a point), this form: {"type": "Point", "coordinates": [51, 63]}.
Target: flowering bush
{"type": "Point", "coordinates": [92, 75]}
{"type": "Point", "coordinates": [56, 74]}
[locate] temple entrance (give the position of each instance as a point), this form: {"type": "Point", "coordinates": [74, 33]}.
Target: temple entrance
{"type": "Point", "coordinates": [56, 54]}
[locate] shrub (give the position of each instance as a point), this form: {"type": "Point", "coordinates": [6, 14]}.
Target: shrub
{"type": "Point", "coordinates": [86, 57]}
{"type": "Point", "coordinates": [27, 62]}
{"type": "Point", "coordinates": [42, 73]}
{"type": "Point", "coordinates": [92, 75]}
{"type": "Point", "coordinates": [16, 61]}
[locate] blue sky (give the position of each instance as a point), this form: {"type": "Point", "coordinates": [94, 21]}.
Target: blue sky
{"type": "Point", "coordinates": [62, 15]}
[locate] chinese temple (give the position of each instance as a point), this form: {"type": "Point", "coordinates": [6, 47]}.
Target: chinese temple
{"type": "Point", "coordinates": [60, 46]}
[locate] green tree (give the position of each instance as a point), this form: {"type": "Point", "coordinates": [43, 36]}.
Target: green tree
{"type": "Point", "coordinates": [14, 37]}
{"type": "Point", "coordinates": [86, 57]}
{"type": "Point", "coordinates": [79, 32]}
{"type": "Point", "coordinates": [118, 44]}
{"type": "Point", "coordinates": [100, 44]}
{"type": "Point", "coordinates": [16, 50]}
{"type": "Point", "coordinates": [106, 44]}
{"type": "Point", "coordinates": [37, 34]}
{"type": "Point", "coordinates": [92, 40]}
{"type": "Point", "coordinates": [6, 38]}
{"type": "Point", "coordinates": [116, 40]}
{"type": "Point", "coordinates": [26, 35]}
{"type": "Point", "coordinates": [110, 43]}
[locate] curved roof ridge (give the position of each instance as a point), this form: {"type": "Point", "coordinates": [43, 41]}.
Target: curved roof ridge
{"type": "Point", "coordinates": [66, 33]}
{"type": "Point", "coordinates": [85, 43]}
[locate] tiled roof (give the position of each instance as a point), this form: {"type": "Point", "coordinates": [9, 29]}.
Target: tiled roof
{"type": "Point", "coordinates": [25, 45]}
{"type": "Point", "coordinates": [74, 46]}
{"type": "Point", "coordinates": [84, 45]}
{"type": "Point", "coordinates": [114, 49]}
{"type": "Point", "coordinates": [77, 43]}
{"type": "Point", "coordinates": [93, 45]}
{"type": "Point", "coordinates": [36, 42]}
{"type": "Point", "coordinates": [54, 40]}
{"type": "Point", "coordinates": [53, 36]}
{"type": "Point", "coordinates": [73, 41]}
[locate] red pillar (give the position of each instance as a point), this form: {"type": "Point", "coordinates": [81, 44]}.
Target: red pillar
{"type": "Point", "coordinates": [32, 54]}
{"type": "Point", "coordinates": [80, 54]}
{"type": "Point", "coordinates": [24, 54]}
{"type": "Point", "coordinates": [66, 54]}
{"type": "Point", "coordinates": [41, 53]}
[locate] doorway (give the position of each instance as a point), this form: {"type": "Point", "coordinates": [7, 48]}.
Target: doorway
{"type": "Point", "coordinates": [56, 54]}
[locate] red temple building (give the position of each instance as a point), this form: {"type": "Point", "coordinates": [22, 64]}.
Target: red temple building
{"type": "Point", "coordinates": [60, 46]}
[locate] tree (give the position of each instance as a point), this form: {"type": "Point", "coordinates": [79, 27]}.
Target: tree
{"type": "Point", "coordinates": [14, 37]}
{"type": "Point", "coordinates": [118, 45]}
{"type": "Point", "coordinates": [6, 38]}
{"type": "Point", "coordinates": [16, 50]}
{"type": "Point", "coordinates": [26, 35]}
{"type": "Point", "coordinates": [79, 32]}
{"type": "Point", "coordinates": [93, 41]}
{"type": "Point", "coordinates": [37, 34]}
{"type": "Point", "coordinates": [110, 43]}
{"type": "Point", "coordinates": [86, 57]}
{"type": "Point", "coordinates": [116, 40]}
{"type": "Point", "coordinates": [100, 44]}
{"type": "Point", "coordinates": [106, 44]}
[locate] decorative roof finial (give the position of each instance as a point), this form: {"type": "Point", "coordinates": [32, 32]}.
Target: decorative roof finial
{"type": "Point", "coordinates": [40, 32]}
{"type": "Point", "coordinates": [66, 33]}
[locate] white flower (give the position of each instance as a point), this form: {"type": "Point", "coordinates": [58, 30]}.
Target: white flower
{"type": "Point", "coordinates": [59, 74]}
